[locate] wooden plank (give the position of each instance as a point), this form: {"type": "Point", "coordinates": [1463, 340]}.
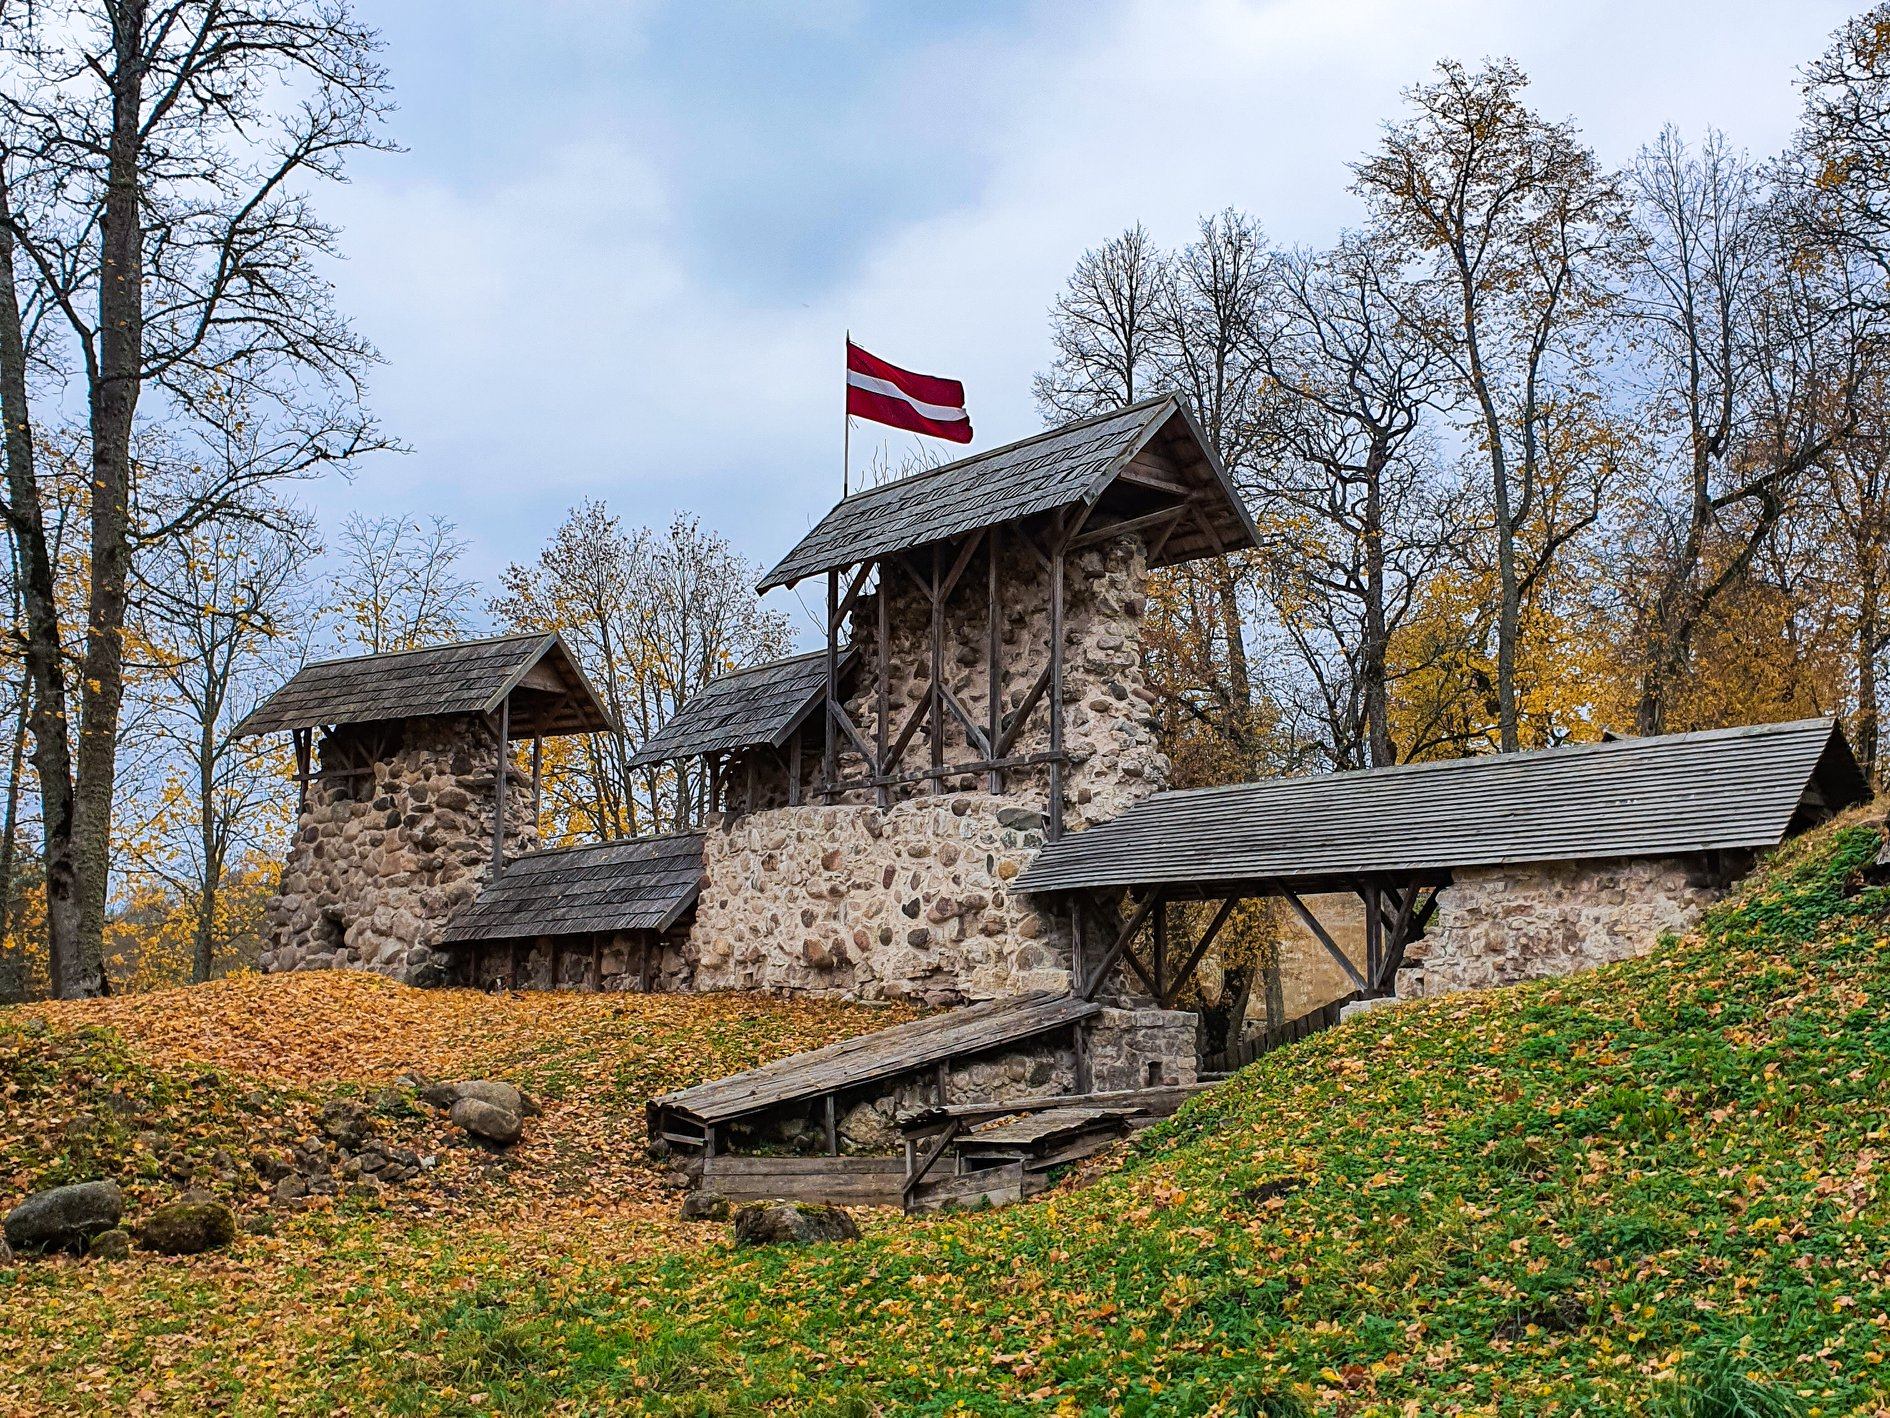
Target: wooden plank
{"type": "Point", "coordinates": [1150, 1102]}
{"type": "Point", "coordinates": [842, 1181]}
{"type": "Point", "coordinates": [994, 1186]}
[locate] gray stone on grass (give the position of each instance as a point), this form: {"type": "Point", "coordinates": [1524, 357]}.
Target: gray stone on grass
{"type": "Point", "coordinates": [186, 1228]}
{"type": "Point", "coordinates": [493, 1091]}
{"type": "Point", "coordinates": [486, 1121]}
{"type": "Point", "coordinates": [705, 1206]}
{"type": "Point", "coordinates": [65, 1218]}
{"type": "Point", "coordinates": [792, 1223]}
{"type": "Point", "coordinates": [114, 1244]}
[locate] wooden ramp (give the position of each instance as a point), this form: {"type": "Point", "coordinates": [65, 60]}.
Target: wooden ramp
{"type": "Point", "coordinates": [691, 1117]}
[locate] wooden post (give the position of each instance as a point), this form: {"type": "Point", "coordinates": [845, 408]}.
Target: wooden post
{"type": "Point", "coordinates": [833, 1128]}
{"type": "Point", "coordinates": [794, 769]}
{"type": "Point", "coordinates": [498, 789]}
{"type": "Point", "coordinates": [1079, 1036]}
{"type": "Point", "coordinates": [993, 662]}
{"type": "Point", "coordinates": [644, 972]}
{"type": "Point", "coordinates": [942, 1079]}
{"type": "Point", "coordinates": [1374, 935]}
{"type": "Point", "coordinates": [937, 686]}
{"type": "Point", "coordinates": [1055, 826]}
{"type": "Point", "coordinates": [829, 764]}
{"type": "Point", "coordinates": [538, 781]}
{"type": "Point", "coordinates": [882, 712]}
{"type": "Point", "coordinates": [1158, 953]}
{"type": "Point", "coordinates": [512, 976]}
{"type": "Point", "coordinates": [597, 964]}
{"type": "Point", "coordinates": [303, 740]}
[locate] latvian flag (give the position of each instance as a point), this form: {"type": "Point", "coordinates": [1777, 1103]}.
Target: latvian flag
{"type": "Point", "coordinates": [919, 403]}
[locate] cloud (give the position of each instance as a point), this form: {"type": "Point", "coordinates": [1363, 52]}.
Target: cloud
{"type": "Point", "coordinates": [555, 333]}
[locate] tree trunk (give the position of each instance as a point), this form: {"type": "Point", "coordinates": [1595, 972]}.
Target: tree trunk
{"type": "Point", "coordinates": [1380, 752]}
{"type": "Point", "coordinates": [45, 662]}
{"type": "Point", "coordinates": [1869, 633]}
{"type": "Point", "coordinates": [13, 962]}
{"type": "Point", "coordinates": [114, 405]}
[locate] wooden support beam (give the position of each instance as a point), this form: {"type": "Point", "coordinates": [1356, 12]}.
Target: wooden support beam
{"type": "Point", "coordinates": [501, 773]}
{"type": "Point", "coordinates": [935, 689]}
{"type": "Point", "coordinates": [993, 661]}
{"type": "Point", "coordinates": [794, 769]}
{"type": "Point", "coordinates": [1120, 944]}
{"type": "Point", "coordinates": [1079, 1044]}
{"type": "Point", "coordinates": [974, 731]}
{"type": "Point", "coordinates": [1014, 721]}
{"type": "Point", "coordinates": [1163, 520]}
{"type": "Point", "coordinates": [1200, 950]}
{"type": "Point", "coordinates": [1319, 933]}
{"type": "Point", "coordinates": [829, 759]}
{"type": "Point", "coordinates": [1054, 829]}
{"type": "Point", "coordinates": [845, 606]}
{"type": "Point", "coordinates": [916, 1173]}
{"type": "Point", "coordinates": [538, 782]}
{"type": "Point", "coordinates": [597, 964]}
{"type": "Point", "coordinates": [1158, 952]}
{"type": "Point", "coordinates": [832, 1126]}
{"type": "Point", "coordinates": [882, 717]}
{"type": "Point", "coordinates": [303, 740]}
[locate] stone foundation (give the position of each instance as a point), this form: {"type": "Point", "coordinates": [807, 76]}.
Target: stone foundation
{"type": "Point", "coordinates": [911, 903]}
{"type": "Point", "coordinates": [383, 857]}
{"type": "Point", "coordinates": [1499, 925]}
{"type": "Point", "coordinates": [565, 964]}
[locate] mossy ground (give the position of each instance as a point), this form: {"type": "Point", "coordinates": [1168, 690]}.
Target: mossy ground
{"type": "Point", "coordinates": [1656, 1188]}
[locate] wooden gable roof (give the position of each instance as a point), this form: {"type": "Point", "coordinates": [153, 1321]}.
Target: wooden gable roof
{"type": "Point", "coordinates": [638, 884]}
{"type": "Point", "coordinates": [758, 707]}
{"type": "Point", "coordinates": [1670, 795]}
{"type": "Point", "coordinates": [1148, 453]}
{"type": "Point", "coordinates": [549, 691]}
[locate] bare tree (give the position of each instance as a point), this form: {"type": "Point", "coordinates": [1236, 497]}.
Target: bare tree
{"type": "Point", "coordinates": [218, 620]}
{"type": "Point", "coordinates": [1106, 326]}
{"type": "Point", "coordinates": [1512, 229]}
{"type": "Point", "coordinates": [653, 617]}
{"type": "Point", "coordinates": [396, 586]}
{"type": "Point", "coordinates": [162, 147]}
{"type": "Point", "coordinates": [1350, 498]}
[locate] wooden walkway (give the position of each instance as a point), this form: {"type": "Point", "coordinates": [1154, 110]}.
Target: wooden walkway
{"type": "Point", "coordinates": [691, 1116]}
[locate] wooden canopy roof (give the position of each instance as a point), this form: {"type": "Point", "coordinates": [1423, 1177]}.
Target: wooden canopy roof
{"type": "Point", "coordinates": [1145, 456]}
{"type": "Point", "coordinates": [758, 707]}
{"type": "Point", "coordinates": [1669, 795]}
{"type": "Point", "coordinates": [549, 692]}
{"type": "Point", "coordinates": [639, 884]}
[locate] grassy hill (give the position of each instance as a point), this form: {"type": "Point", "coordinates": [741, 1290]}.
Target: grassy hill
{"type": "Point", "coordinates": [1656, 1188]}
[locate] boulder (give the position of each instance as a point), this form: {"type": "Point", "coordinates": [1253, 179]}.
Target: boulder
{"type": "Point", "coordinates": [65, 1218]}
{"type": "Point", "coordinates": [491, 1090]}
{"type": "Point", "coordinates": [438, 1095]}
{"type": "Point", "coordinates": [114, 1244]}
{"type": "Point", "coordinates": [793, 1223]}
{"type": "Point", "coordinates": [486, 1120]}
{"type": "Point", "coordinates": [184, 1228]}
{"type": "Point", "coordinates": [705, 1206]}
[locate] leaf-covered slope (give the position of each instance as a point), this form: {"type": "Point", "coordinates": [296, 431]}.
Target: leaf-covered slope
{"type": "Point", "coordinates": [1557, 1198]}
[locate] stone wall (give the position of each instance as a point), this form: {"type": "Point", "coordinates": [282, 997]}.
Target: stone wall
{"type": "Point", "coordinates": [1499, 925]}
{"type": "Point", "coordinates": [566, 963]}
{"type": "Point", "coordinates": [381, 860]}
{"type": "Point", "coordinates": [1108, 709]}
{"type": "Point", "coordinates": [913, 902]}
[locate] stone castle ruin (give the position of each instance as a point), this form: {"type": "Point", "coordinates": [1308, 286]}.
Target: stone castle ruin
{"type": "Point", "coordinates": [958, 800]}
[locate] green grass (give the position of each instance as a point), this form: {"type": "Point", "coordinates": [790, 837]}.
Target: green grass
{"type": "Point", "coordinates": [1658, 1188]}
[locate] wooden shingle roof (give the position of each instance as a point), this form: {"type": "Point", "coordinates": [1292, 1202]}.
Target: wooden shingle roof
{"type": "Point", "coordinates": [638, 884]}
{"type": "Point", "coordinates": [1073, 464]}
{"type": "Point", "coordinates": [551, 694]}
{"type": "Point", "coordinates": [868, 1058]}
{"type": "Point", "coordinates": [759, 707]}
{"type": "Point", "coordinates": [1669, 795]}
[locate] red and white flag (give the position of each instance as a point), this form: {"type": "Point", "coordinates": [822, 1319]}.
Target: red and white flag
{"type": "Point", "coordinates": [918, 403]}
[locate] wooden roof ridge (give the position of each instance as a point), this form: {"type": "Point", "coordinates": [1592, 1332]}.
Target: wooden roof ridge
{"type": "Point", "coordinates": [450, 677]}
{"type": "Point", "coordinates": [675, 834]}
{"type": "Point", "coordinates": [625, 884]}
{"type": "Point", "coordinates": [1613, 744]}
{"type": "Point", "coordinates": [1075, 425]}
{"type": "Point", "coordinates": [1745, 788]}
{"type": "Point", "coordinates": [1026, 478]}
{"type": "Point", "coordinates": [470, 642]}
{"type": "Point", "coordinates": [756, 706]}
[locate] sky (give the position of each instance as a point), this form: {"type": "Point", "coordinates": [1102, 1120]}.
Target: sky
{"type": "Point", "coordinates": [619, 252]}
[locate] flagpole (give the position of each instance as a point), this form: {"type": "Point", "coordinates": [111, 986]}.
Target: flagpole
{"type": "Point", "coordinates": [846, 424]}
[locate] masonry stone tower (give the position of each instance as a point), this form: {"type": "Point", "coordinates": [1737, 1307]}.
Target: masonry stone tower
{"type": "Point", "coordinates": [980, 692]}
{"type": "Point", "coordinates": [401, 800]}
